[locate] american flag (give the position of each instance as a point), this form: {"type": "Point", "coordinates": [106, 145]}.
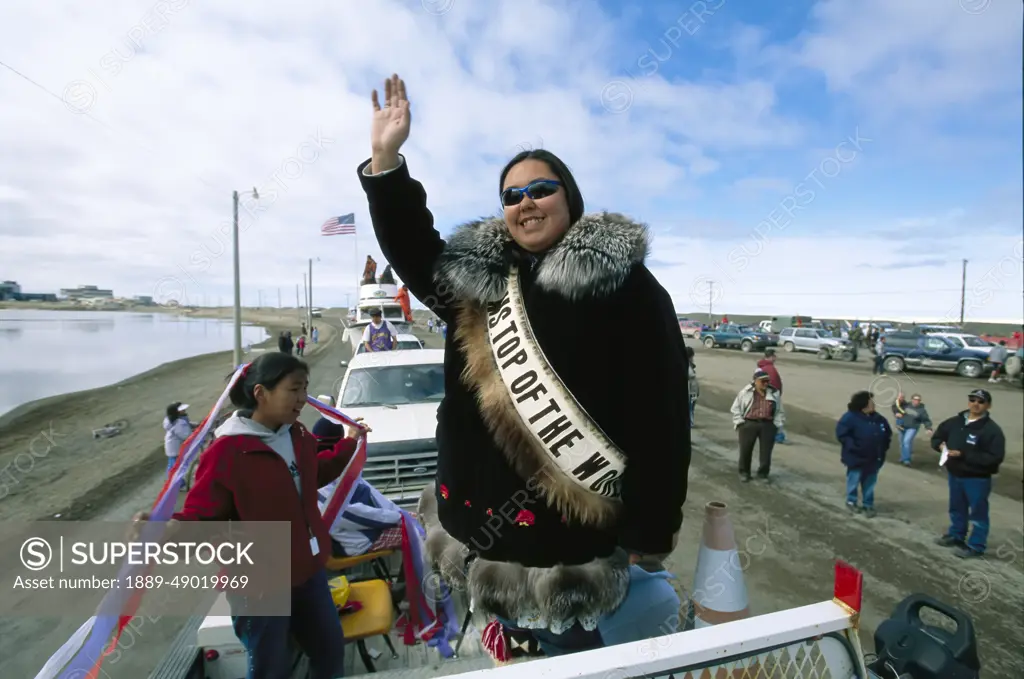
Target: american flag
{"type": "Point", "coordinates": [337, 226]}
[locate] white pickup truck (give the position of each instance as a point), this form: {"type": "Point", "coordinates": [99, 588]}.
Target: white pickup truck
{"type": "Point", "coordinates": [397, 393]}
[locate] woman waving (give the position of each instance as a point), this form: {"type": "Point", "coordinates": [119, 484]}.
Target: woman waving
{"type": "Point", "coordinates": [560, 462]}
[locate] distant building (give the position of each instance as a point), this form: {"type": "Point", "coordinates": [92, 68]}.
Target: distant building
{"type": "Point", "coordinates": [144, 300]}
{"type": "Point", "coordinates": [36, 297]}
{"type": "Point", "coordinates": [9, 290]}
{"type": "Point", "coordinates": [83, 292]}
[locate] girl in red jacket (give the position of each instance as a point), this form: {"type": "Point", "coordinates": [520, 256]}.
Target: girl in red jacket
{"type": "Point", "coordinates": [263, 466]}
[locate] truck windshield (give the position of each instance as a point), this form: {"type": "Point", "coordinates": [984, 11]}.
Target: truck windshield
{"type": "Point", "coordinates": [394, 385]}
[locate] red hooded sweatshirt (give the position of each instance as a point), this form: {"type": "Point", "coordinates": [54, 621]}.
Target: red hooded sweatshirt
{"type": "Point", "coordinates": [251, 473]}
{"type": "Point", "coordinates": [774, 378]}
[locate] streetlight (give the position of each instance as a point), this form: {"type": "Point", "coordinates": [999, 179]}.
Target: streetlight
{"type": "Point", "coordinates": [238, 284]}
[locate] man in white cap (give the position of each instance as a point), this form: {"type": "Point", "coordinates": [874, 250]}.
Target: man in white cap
{"type": "Point", "coordinates": [757, 416]}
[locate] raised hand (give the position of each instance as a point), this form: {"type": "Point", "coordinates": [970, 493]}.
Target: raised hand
{"type": "Point", "coordinates": [390, 123]}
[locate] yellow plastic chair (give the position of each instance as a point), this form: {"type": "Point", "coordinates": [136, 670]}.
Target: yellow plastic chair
{"type": "Point", "coordinates": [375, 618]}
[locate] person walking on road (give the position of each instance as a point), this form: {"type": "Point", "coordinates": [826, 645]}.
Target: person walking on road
{"type": "Point", "coordinates": [910, 417]}
{"type": "Point", "coordinates": [693, 384]}
{"type": "Point", "coordinates": [973, 447]}
{"type": "Point", "coordinates": [865, 437]}
{"type": "Point", "coordinates": [757, 415]}
{"type": "Point", "coordinates": [518, 296]}
{"type": "Point", "coordinates": [767, 364]}
{"type": "Point", "coordinates": [879, 366]}
{"type": "Point", "coordinates": [997, 357]}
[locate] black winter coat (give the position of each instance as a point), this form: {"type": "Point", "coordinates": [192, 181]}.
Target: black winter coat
{"type": "Point", "coordinates": [981, 443]}
{"type": "Point", "coordinates": [576, 295]}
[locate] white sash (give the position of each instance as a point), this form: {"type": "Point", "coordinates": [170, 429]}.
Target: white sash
{"type": "Point", "coordinates": [569, 436]}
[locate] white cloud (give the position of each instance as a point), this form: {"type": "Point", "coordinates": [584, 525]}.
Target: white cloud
{"type": "Point", "coordinates": [171, 106]}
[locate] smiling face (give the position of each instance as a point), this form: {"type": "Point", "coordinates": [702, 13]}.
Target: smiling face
{"type": "Point", "coordinates": [284, 403]}
{"type": "Point", "coordinates": [538, 224]}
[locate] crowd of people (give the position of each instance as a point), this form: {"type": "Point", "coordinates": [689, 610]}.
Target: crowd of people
{"type": "Point", "coordinates": [972, 447]}
{"type": "Point", "coordinates": [287, 345]}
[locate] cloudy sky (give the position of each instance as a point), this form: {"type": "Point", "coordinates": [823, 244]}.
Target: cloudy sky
{"type": "Point", "coordinates": [834, 158]}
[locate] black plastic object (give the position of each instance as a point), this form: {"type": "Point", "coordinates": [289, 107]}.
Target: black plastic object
{"type": "Point", "coordinates": [906, 646]}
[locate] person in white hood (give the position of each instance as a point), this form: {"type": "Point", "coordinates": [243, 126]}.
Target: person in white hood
{"type": "Point", "coordinates": [177, 428]}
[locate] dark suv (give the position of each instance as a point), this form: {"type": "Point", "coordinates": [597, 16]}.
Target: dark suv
{"type": "Point", "coordinates": [914, 351]}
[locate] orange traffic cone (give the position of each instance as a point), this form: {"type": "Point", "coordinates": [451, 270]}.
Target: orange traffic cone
{"type": "Point", "coordinates": [719, 590]}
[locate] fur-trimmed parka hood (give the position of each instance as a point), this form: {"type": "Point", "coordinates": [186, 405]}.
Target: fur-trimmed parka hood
{"type": "Point", "coordinates": [593, 258]}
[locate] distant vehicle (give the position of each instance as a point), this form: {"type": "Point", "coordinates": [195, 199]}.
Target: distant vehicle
{"type": "Point", "coordinates": [397, 393]}
{"type": "Point", "coordinates": [689, 327]}
{"type": "Point", "coordinates": [777, 324]}
{"type": "Point", "coordinates": [404, 342]}
{"type": "Point", "coordinates": [316, 312]}
{"type": "Point", "coordinates": [913, 351]}
{"type": "Point", "coordinates": [965, 341]}
{"type": "Point", "coordinates": [928, 329]}
{"type": "Point", "coordinates": [735, 336]}
{"type": "Point", "coordinates": [811, 340]}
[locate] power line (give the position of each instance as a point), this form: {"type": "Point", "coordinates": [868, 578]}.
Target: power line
{"type": "Point", "coordinates": [88, 115]}
{"type": "Point", "coordinates": [899, 291]}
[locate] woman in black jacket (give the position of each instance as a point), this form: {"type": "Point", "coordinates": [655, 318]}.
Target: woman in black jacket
{"type": "Point", "coordinates": [562, 457]}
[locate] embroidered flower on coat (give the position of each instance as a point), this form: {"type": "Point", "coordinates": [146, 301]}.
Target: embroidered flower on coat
{"type": "Point", "coordinates": [468, 504]}
{"type": "Point", "coordinates": [524, 517]}
{"type": "Point", "coordinates": [444, 491]}
{"type": "Point", "coordinates": [489, 512]}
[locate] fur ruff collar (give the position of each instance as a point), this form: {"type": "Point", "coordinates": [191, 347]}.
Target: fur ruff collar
{"type": "Point", "coordinates": [593, 258]}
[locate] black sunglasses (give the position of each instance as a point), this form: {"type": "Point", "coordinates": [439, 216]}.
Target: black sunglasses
{"type": "Point", "coordinates": [975, 399]}
{"type": "Point", "coordinates": [542, 188]}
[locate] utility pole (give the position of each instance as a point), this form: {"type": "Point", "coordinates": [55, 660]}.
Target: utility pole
{"type": "Point", "coordinates": [238, 281]}
{"type": "Point", "coordinates": [298, 305]}
{"type": "Point", "coordinates": [305, 294]}
{"type": "Point", "coordinates": [963, 292]}
{"type": "Point", "coordinates": [309, 307]}
{"type": "Point", "coordinates": [279, 298]}
{"type": "Point", "coordinates": [711, 301]}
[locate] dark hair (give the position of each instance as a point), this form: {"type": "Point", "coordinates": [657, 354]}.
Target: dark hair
{"type": "Point", "coordinates": [572, 192]}
{"type": "Point", "coordinates": [172, 411]}
{"type": "Point", "coordinates": [859, 401]}
{"type": "Point", "coordinates": [268, 369]}
{"type": "Point", "coordinates": [689, 355]}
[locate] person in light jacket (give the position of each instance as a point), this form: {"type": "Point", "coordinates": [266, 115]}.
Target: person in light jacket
{"type": "Point", "coordinates": [865, 436]}
{"type": "Point", "coordinates": [757, 415]}
{"type": "Point", "coordinates": [693, 384]}
{"type": "Point", "coordinates": [177, 428]}
{"type": "Point", "coordinates": [910, 417]}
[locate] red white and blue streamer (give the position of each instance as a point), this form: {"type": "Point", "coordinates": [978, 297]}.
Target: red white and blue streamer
{"type": "Point", "coordinates": [81, 656]}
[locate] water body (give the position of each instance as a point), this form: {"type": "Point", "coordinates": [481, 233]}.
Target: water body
{"type": "Point", "coordinates": [46, 353]}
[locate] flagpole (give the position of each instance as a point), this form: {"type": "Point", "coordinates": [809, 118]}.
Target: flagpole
{"type": "Point", "coordinates": [355, 265]}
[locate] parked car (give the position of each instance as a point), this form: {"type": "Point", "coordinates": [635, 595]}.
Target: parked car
{"type": "Point", "coordinates": [690, 327]}
{"type": "Point", "coordinates": [736, 337]}
{"type": "Point", "coordinates": [966, 341]}
{"type": "Point", "coordinates": [405, 341]}
{"type": "Point", "coordinates": [397, 393]}
{"type": "Point", "coordinates": [911, 351]}
{"type": "Point", "coordinates": [812, 340]}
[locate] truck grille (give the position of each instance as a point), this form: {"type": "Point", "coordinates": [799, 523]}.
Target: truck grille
{"type": "Point", "coordinates": [400, 471]}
